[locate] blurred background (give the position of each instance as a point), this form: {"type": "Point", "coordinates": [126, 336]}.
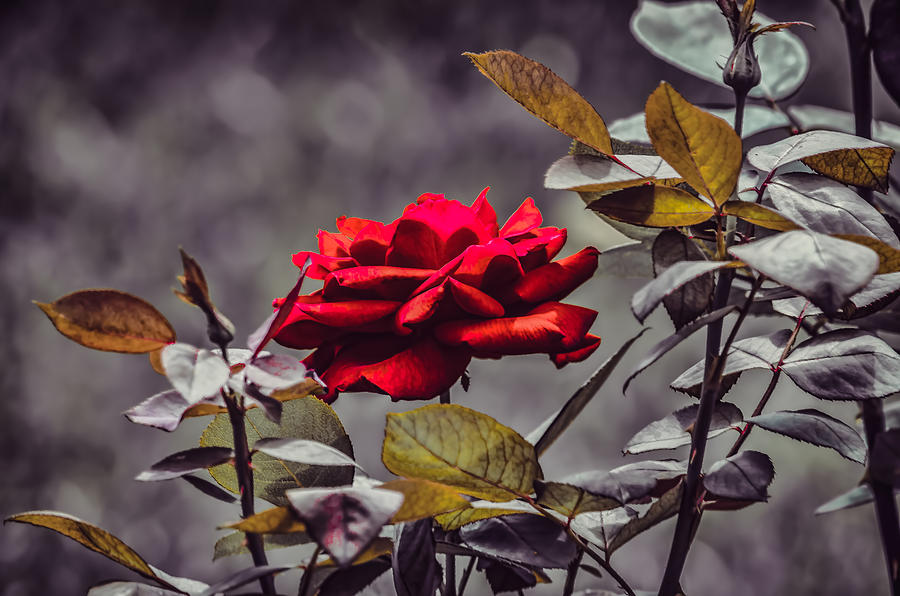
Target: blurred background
{"type": "Point", "coordinates": [236, 130]}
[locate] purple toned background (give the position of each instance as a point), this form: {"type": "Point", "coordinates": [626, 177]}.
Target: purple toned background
{"type": "Point", "coordinates": [236, 130]}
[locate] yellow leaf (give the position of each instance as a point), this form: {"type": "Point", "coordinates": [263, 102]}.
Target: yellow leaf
{"type": "Point", "coordinates": [109, 320]}
{"type": "Point", "coordinates": [866, 167]}
{"type": "Point", "coordinates": [465, 449]}
{"type": "Point", "coordinates": [702, 148]}
{"type": "Point", "coordinates": [277, 520]}
{"type": "Point", "coordinates": [654, 206]}
{"type": "Point", "coordinates": [379, 547]}
{"type": "Point", "coordinates": [457, 519]}
{"type": "Point", "coordinates": [759, 215]}
{"type": "Point", "coordinates": [888, 256]}
{"type": "Point", "coordinates": [571, 500]}
{"type": "Point", "coordinates": [88, 535]}
{"type": "Point", "coordinates": [423, 498]}
{"type": "Point", "coordinates": [543, 93]}
{"type": "Point", "coordinates": [156, 361]}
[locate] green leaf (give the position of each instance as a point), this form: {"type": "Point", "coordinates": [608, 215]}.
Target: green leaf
{"type": "Point", "coordinates": [826, 270]}
{"type": "Point", "coordinates": [344, 521]}
{"type": "Point", "coordinates": [532, 540]}
{"type": "Point", "coordinates": [693, 298]}
{"type": "Point", "coordinates": [545, 95]}
{"type": "Point", "coordinates": [570, 500]}
{"type": "Point", "coordinates": [646, 299]}
{"type": "Point", "coordinates": [859, 495]}
{"type": "Point", "coordinates": [821, 118]}
{"type": "Point", "coordinates": [743, 477]}
{"type": "Point", "coordinates": [694, 37]}
{"type": "Point", "coordinates": [675, 430]}
{"type": "Point", "coordinates": [845, 364]}
{"type": "Point", "coordinates": [186, 462]}
{"type": "Point", "coordinates": [109, 320]}
{"type": "Point", "coordinates": [884, 36]}
{"type": "Point", "coordinates": [465, 449]}
{"type": "Point", "coordinates": [661, 509]}
{"type": "Point", "coordinates": [305, 418]}
{"type": "Point", "coordinates": [842, 157]}
{"type": "Point", "coordinates": [590, 173]}
{"type": "Point", "coordinates": [704, 149]}
{"type": "Point", "coordinates": [757, 119]}
{"type": "Point", "coordinates": [554, 426]}
{"type": "Point", "coordinates": [817, 428]}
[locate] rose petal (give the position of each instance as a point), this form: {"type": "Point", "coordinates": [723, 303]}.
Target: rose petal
{"type": "Point", "coordinates": [398, 367]}
{"type": "Point", "coordinates": [591, 343]}
{"type": "Point", "coordinates": [303, 334]}
{"type": "Point", "coordinates": [474, 301]}
{"type": "Point", "coordinates": [556, 280]}
{"type": "Point", "coordinates": [419, 309]}
{"type": "Point", "coordinates": [351, 313]}
{"type": "Point", "coordinates": [371, 243]}
{"type": "Point", "coordinates": [550, 328]}
{"type": "Point", "coordinates": [392, 283]}
{"type": "Point", "coordinates": [489, 265]}
{"type": "Point", "coordinates": [333, 245]}
{"type": "Point", "coordinates": [429, 196]}
{"type": "Point", "coordinates": [321, 266]}
{"type": "Point", "coordinates": [350, 226]}
{"type": "Point", "coordinates": [539, 246]}
{"type": "Point", "coordinates": [485, 213]}
{"type": "Point", "coordinates": [432, 233]}
{"type": "Point", "coordinates": [526, 218]}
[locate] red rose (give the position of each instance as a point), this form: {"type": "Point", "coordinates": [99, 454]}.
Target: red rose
{"type": "Point", "coordinates": [406, 305]}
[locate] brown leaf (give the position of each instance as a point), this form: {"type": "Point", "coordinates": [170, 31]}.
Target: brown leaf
{"type": "Point", "coordinates": [109, 320]}
{"type": "Point", "coordinates": [543, 93]}
{"type": "Point", "coordinates": [866, 167]}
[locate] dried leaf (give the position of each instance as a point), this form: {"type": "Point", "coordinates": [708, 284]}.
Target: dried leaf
{"type": "Point", "coordinates": [545, 95]}
{"type": "Point", "coordinates": [109, 320]}
{"type": "Point", "coordinates": [654, 206]}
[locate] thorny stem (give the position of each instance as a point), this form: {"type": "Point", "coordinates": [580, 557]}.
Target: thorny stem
{"type": "Point", "coordinates": [465, 576]}
{"type": "Point", "coordinates": [770, 388]}
{"type": "Point", "coordinates": [872, 410]}
{"type": "Point", "coordinates": [306, 580]}
{"type": "Point", "coordinates": [245, 484]}
{"type": "Point", "coordinates": [709, 395]}
{"type": "Point", "coordinates": [572, 573]}
{"type": "Point", "coordinates": [582, 546]}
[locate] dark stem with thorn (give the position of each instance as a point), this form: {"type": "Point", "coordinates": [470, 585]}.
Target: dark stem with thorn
{"type": "Point", "coordinates": [872, 411]}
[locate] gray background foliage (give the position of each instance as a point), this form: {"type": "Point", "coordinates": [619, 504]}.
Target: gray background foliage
{"type": "Point", "coordinates": [238, 129]}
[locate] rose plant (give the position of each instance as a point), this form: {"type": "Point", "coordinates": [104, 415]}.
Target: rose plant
{"type": "Point", "coordinates": [405, 306]}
